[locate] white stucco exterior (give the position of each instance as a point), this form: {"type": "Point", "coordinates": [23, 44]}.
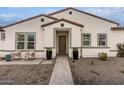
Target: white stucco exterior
{"type": "Point", "coordinates": [46, 36]}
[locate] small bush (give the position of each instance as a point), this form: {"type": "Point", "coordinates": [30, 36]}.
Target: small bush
{"type": "Point", "coordinates": [103, 56]}
{"type": "Point", "coordinates": [120, 48]}
{"type": "Point", "coordinates": [92, 62]}
{"type": "Point", "coordinates": [122, 71]}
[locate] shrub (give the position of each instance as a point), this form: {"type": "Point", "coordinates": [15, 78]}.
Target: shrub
{"type": "Point", "coordinates": [120, 50]}
{"type": "Point", "coordinates": [92, 62]}
{"type": "Point", "coordinates": [49, 49]}
{"type": "Point", "coordinates": [103, 56]}
{"type": "Point", "coordinates": [122, 71]}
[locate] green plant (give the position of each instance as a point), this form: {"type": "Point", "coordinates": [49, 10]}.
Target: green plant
{"type": "Point", "coordinates": [75, 49]}
{"type": "Point", "coordinates": [122, 71]}
{"type": "Point", "coordinates": [49, 49]}
{"type": "Point", "coordinates": [92, 62]}
{"type": "Point", "coordinates": [120, 50]}
{"type": "Point", "coordinates": [103, 56]}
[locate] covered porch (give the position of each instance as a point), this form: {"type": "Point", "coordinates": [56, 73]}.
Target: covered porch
{"type": "Point", "coordinates": [62, 36]}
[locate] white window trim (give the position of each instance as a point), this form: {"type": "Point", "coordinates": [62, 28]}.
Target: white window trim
{"type": "Point", "coordinates": [105, 40]}
{"type": "Point", "coordinates": [25, 41]}
{"type": "Point", "coordinates": [2, 39]}
{"type": "Point", "coordinates": [83, 40]}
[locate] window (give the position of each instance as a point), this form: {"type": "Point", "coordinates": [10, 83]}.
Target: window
{"type": "Point", "coordinates": [62, 24]}
{"type": "Point", "coordinates": [86, 40]}
{"type": "Point", "coordinates": [42, 19]}
{"type": "Point", "coordinates": [3, 36]}
{"type": "Point", "coordinates": [102, 40]}
{"type": "Point", "coordinates": [70, 12]}
{"type": "Point", "coordinates": [30, 41]}
{"type": "Point", "coordinates": [25, 40]}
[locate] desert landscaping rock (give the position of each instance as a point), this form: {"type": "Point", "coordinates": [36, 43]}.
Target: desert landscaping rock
{"type": "Point", "coordinates": [25, 74]}
{"type": "Point", "coordinates": [100, 73]}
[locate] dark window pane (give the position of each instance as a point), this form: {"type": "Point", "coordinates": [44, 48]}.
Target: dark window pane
{"type": "Point", "coordinates": [42, 19]}
{"type": "Point", "coordinates": [102, 43]}
{"type": "Point", "coordinates": [30, 37]}
{"type": "Point", "coordinates": [86, 39]}
{"type": "Point", "coordinates": [70, 12]}
{"type": "Point", "coordinates": [102, 40]}
{"type": "Point", "coordinates": [86, 43]}
{"type": "Point", "coordinates": [30, 45]}
{"type": "Point", "coordinates": [62, 24]}
{"type": "Point", "coordinates": [20, 45]}
{"type": "Point", "coordinates": [2, 36]}
{"type": "Point", "coordinates": [20, 37]}
{"type": "Point", "coordinates": [86, 36]}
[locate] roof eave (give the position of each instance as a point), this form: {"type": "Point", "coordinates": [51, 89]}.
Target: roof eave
{"type": "Point", "coordinates": [74, 23]}
{"type": "Point", "coordinates": [29, 19]}
{"type": "Point", "coordinates": [84, 13]}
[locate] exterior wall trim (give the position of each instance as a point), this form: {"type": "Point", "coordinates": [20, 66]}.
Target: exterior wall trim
{"type": "Point", "coordinates": [69, 37]}
{"type": "Point", "coordinates": [21, 50]}
{"type": "Point", "coordinates": [96, 47]}
{"type": "Point", "coordinates": [113, 50]}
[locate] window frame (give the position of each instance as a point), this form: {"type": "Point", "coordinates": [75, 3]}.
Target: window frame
{"type": "Point", "coordinates": [89, 40]}
{"type": "Point", "coordinates": [42, 19]}
{"type": "Point", "coordinates": [106, 39]}
{"type": "Point", "coordinates": [70, 12]}
{"type": "Point", "coordinates": [26, 40]}
{"type": "Point", "coordinates": [2, 36]}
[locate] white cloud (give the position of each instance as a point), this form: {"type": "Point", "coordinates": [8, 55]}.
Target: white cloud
{"type": "Point", "coordinates": [50, 10]}
{"type": "Point", "coordinates": [9, 17]}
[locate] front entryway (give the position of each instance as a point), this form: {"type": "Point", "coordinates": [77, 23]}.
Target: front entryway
{"type": "Point", "coordinates": [62, 44]}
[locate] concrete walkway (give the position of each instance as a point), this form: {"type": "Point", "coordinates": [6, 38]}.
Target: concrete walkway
{"type": "Point", "coordinates": [61, 74]}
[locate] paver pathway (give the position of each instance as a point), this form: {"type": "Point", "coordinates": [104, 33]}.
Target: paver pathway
{"type": "Point", "coordinates": [61, 74]}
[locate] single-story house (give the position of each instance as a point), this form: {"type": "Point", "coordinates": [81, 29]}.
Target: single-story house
{"type": "Point", "coordinates": [62, 31]}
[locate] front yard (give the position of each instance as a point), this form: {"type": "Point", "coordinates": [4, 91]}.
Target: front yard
{"type": "Point", "coordinates": [92, 71]}
{"type": "Point", "coordinates": [26, 74]}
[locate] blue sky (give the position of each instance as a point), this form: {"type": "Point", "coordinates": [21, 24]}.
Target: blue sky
{"type": "Point", "coordinates": [12, 14]}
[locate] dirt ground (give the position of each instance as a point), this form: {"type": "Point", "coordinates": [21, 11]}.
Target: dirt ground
{"type": "Point", "coordinates": [92, 71]}
{"type": "Point", "coordinates": [25, 74]}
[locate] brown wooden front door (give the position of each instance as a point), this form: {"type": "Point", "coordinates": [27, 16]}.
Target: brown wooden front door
{"type": "Point", "coordinates": [62, 44]}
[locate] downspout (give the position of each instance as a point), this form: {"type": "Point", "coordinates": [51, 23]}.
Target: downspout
{"type": "Point", "coordinates": [81, 44]}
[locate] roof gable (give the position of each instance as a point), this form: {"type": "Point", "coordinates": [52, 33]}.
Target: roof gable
{"type": "Point", "coordinates": [1, 29]}
{"type": "Point", "coordinates": [84, 13]}
{"type": "Point", "coordinates": [29, 19]}
{"type": "Point", "coordinates": [68, 21]}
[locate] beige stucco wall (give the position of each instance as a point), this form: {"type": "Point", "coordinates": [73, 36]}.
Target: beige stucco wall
{"type": "Point", "coordinates": [1, 46]}
{"type": "Point", "coordinates": [94, 26]}
{"type": "Point", "coordinates": [33, 25]}
{"type": "Point", "coordinates": [116, 37]}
